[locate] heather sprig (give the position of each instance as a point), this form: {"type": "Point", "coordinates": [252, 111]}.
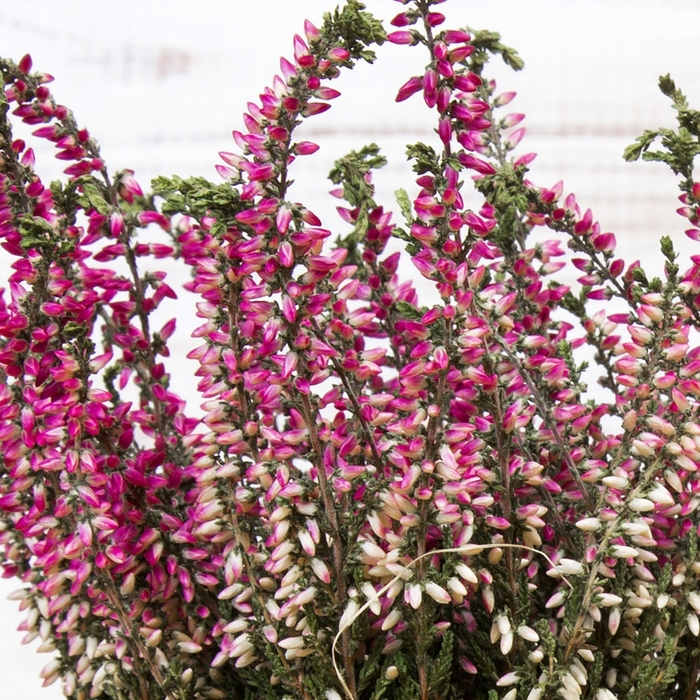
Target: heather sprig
{"type": "Point", "coordinates": [396, 486]}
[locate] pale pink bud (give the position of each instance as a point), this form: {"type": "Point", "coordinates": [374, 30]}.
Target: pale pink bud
{"type": "Point", "coordinates": [437, 593]}
{"type": "Point", "coordinates": [304, 148]}
{"type": "Point", "coordinates": [321, 570]}
{"type": "Point", "coordinates": [414, 595]}
{"type": "Point", "coordinates": [116, 223]}
{"type": "Point", "coordinates": [311, 31]}
{"type": "Point", "coordinates": [338, 54]}
{"type": "Point", "coordinates": [504, 98]}
{"type": "Point", "coordinates": [286, 254]}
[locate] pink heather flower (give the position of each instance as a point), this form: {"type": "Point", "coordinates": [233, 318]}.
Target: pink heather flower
{"type": "Point", "coordinates": [452, 36]}
{"type": "Point", "coordinates": [325, 380]}
{"type": "Point", "coordinates": [474, 163]}
{"type": "Point", "coordinates": [304, 148]}
{"type": "Point", "coordinates": [313, 108]}
{"type": "Point", "coordinates": [430, 87]}
{"type": "Point", "coordinates": [400, 37]}
{"type": "Point", "coordinates": [25, 64]}
{"type": "Point", "coordinates": [311, 31]}
{"type": "Point", "coordinates": [153, 217]}
{"type": "Point", "coordinates": [409, 88]}
{"type": "Point", "coordinates": [515, 138]}
{"type": "Point", "coordinates": [435, 18]}
{"type": "Point", "coordinates": [338, 54]}
{"type": "Point", "coordinates": [504, 98]}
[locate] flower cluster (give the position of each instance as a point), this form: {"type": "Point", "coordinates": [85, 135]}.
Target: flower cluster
{"type": "Point", "coordinates": [395, 488]}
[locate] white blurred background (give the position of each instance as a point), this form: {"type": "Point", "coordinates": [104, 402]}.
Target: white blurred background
{"type": "Point", "coordinates": [161, 83]}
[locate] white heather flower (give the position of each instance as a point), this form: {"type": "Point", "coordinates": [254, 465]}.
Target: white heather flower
{"type": "Point", "coordinates": [333, 695]}
{"type": "Point", "coordinates": [456, 586]}
{"type": "Point", "coordinates": [536, 656]}
{"type": "Point", "coordinates": [568, 694]}
{"type": "Point", "coordinates": [307, 543]}
{"type": "Point", "coordinates": [674, 481]}
{"type": "Point", "coordinates": [640, 505]}
{"type": "Point", "coordinates": [511, 694]}
{"type": "Point", "coordinates": [586, 655]}
{"type": "Point", "coordinates": [348, 616]}
{"type": "Point", "coordinates": [368, 589]}
{"type": "Point", "coordinates": [623, 552]}
{"type": "Point", "coordinates": [614, 621]}
{"type": "Point", "coordinates": [236, 626]}
{"type": "Point", "coordinates": [569, 682]}
{"type": "Point", "coordinates": [605, 694]}
{"type": "Point", "coordinates": [291, 642]}
{"type": "Point", "coordinates": [391, 673]}
{"type": "Point", "coordinates": [693, 624]}
{"type": "Point", "coordinates": [616, 482]}
{"type": "Point", "coordinates": [373, 552]}
{"type": "Point", "coordinates": [578, 671]}
{"type": "Point", "coordinates": [241, 645]}
{"type": "Point", "coordinates": [556, 600]}
{"type": "Point", "coordinates": [588, 524]}
{"type": "Point", "coordinates": [694, 600]}
{"type": "Point", "coordinates": [535, 693]}
{"type": "Point", "coordinates": [528, 634]}
{"type": "Point", "coordinates": [321, 570]}
{"type": "Point", "coordinates": [637, 527]}
{"type": "Point", "coordinates": [660, 494]}
{"type": "Point", "coordinates": [466, 573]}
{"type": "Point", "coordinates": [292, 576]}
{"type": "Point", "coordinates": [306, 596]}
{"type": "Point", "coordinates": [494, 634]}
{"type": "Point", "coordinates": [390, 620]}
{"type": "Point", "coordinates": [607, 600]}
{"type": "Point", "coordinates": [488, 598]}
{"type": "Point", "coordinates": [569, 567]}
{"type": "Point", "coordinates": [531, 537]}
{"type": "Point", "coordinates": [414, 595]}
{"type": "Point", "coordinates": [437, 593]}
{"type": "Point", "coordinates": [503, 624]}
{"type": "Point", "coordinates": [506, 643]}
{"type": "Point", "coordinates": [246, 659]}
{"type": "Point", "coordinates": [509, 679]}
{"type": "Point", "coordinates": [50, 669]}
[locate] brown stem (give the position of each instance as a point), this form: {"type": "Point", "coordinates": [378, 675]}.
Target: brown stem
{"type": "Point", "coordinates": [503, 451]}
{"type": "Point", "coordinates": [257, 590]}
{"type": "Point", "coordinates": [336, 544]}
{"type": "Point", "coordinates": [114, 597]}
{"type": "Point", "coordinates": [544, 412]}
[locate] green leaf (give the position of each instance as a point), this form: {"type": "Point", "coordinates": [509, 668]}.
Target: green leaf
{"type": "Point", "coordinates": [404, 202]}
{"type": "Point", "coordinates": [409, 311]}
{"type": "Point", "coordinates": [95, 197]}
{"type": "Point", "coordinates": [667, 249]}
{"type": "Point", "coordinates": [642, 143]}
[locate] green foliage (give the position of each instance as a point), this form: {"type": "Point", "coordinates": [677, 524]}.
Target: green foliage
{"type": "Point", "coordinates": [487, 42]}
{"type": "Point", "coordinates": [355, 28]}
{"type": "Point", "coordinates": [680, 146]}
{"type": "Point", "coordinates": [353, 173]}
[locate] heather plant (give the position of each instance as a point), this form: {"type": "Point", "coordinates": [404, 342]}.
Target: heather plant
{"type": "Point", "coordinates": [397, 486]}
